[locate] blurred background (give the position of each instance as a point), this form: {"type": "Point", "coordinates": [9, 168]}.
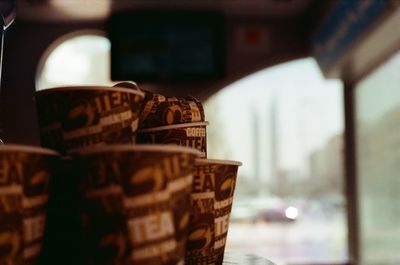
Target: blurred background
{"type": "Point", "coordinates": [305, 93]}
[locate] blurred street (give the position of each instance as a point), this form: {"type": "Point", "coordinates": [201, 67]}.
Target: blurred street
{"type": "Point", "coordinates": [313, 238]}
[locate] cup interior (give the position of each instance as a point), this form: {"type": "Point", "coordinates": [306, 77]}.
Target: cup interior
{"type": "Point", "coordinates": [27, 149]}
{"type": "Point", "coordinates": [133, 148]}
{"type": "Point", "coordinates": [203, 161]}
{"type": "Point", "coordinates": [90, 88]}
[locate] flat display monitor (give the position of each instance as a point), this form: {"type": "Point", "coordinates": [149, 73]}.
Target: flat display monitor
{"type": "Point", "coordinates": [168, 46]}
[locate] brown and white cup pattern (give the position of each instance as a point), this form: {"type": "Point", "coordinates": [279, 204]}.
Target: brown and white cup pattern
{"type": "Point", "coordinates": [135, 203]}
{"type": "Point", "coordinates": [159, 110]}
{"type": "Point", "coordinates": [212, 196]}
{"type": "Point", "coordinates": [192, 135]}
{"type": "Point", "coordinates": [24, 179]}
{"type": "Point", "coordinates": [74, 117]}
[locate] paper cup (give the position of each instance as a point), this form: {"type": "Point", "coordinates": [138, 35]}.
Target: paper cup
{"type": "Point", "coordinates": [188, 134]}
{"type": "Point", "coordinates": [24, 181]}
{"type": "Point", "coordinates": [74, 117]}
{"type": "Point", "coordinates": [135, 203]}
{"type": "Point", "coordinates": [159, 110]}
{"type": "Point", "coordinates": [213, 188]}
{"type": "Point", "coordinates": [62, 233]}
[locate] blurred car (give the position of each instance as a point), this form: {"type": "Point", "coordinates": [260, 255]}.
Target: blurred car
{"type": "Point", "coordinates": [277, 214]}
{"type": "Point", "coordinates": [267, 209]}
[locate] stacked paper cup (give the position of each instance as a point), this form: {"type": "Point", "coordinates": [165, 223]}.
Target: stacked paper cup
{"type": "Point", "coordinates": [24, 194]}
{"type": "Point", "coordinates": [81, 116]}
{"type": "Point", "coordinates": [173, 120]}
{"type": "Point", "coordinates": [113, 201]}
{"type": "Point", "coordinates": [134, 185]}
{"type": "Point", "coordinates": [181, 121]}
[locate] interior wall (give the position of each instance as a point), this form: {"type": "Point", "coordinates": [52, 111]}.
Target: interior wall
{"type": "Point", "coordinates": [26, 42]}
{"type": "Point", "coordinates": [284, 41]}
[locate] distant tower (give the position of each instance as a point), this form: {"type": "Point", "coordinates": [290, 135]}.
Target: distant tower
{"type": "Point", "coordinates": [256, 145]}
{"type": "Point", "coordinates": [274, 143]}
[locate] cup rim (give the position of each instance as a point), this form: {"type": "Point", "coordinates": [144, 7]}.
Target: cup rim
{"type": "Point", "coordinates": [217, 161]}
{"type": "Point", "coordinates": [175, 126]}
{"type": "Point", "coordinates": [91, 88]}
{"type": "Point", "coordinates": [28, 148]}
{"type": "Point", "coordinates": [132, 147]}
{"type": "Point", "coordinates": [123, 84]}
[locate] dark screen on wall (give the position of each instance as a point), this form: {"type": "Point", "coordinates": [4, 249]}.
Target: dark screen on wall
{"type": "Point", "coordinates": [167, 46]}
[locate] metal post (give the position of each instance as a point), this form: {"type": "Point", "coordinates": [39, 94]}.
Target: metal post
{"type": "Point", "coordinates": [7, 13]}
{"type": "Point", "coordinates": [351, 175]}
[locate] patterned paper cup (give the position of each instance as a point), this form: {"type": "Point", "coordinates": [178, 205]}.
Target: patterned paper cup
{"type": "Point", "coordinates": [62, 223]}
{"type": "Point", "coordinates": [25, 173]}
{"type": "Point", "coordinates": [213, 187]}
{"type": "Point", "coordinates": [74, 117]}
{"type": "Point", "coordinates": [135, 203]}
{"type": "Point", "coordinates": [187, 134]}
{"type": "Point", "coordinates": [159, 110]}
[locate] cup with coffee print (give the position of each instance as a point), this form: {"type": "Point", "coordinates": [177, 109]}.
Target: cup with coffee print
{"type": "Point", "coordinates": [212, 196]}
{"type": "Point", "coordinates": [187, 134]}
{"type": "Point", "coordinates": [25, 174]}
{"type": "Point", "coordinates": [158, 110]}
{"type": "Point", "coordinates": [74, 117]}
{"type": "Point", "coordinates": [135, 203]}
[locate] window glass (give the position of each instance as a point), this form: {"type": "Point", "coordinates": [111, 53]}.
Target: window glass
{"type": "Point", "coordinates": [285, 124]}
{"type": "Point", "coordinates": [76, 60]}
{"type": "Point", "coordinates": [378, 163]}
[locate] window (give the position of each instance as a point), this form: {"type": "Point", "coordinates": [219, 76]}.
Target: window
{"type": "Point", "coordinates": [285, 124]}
{"type": "Point", "coordinates": [76, 59]}
{"type": "Point", "coordinates": [377, 117]}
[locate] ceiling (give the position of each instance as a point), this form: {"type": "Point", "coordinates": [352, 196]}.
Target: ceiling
{"type": "Point", "coordinates": [64, 11]}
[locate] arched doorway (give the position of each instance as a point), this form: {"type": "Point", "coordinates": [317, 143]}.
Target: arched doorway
{"type": "Point", "coordinates": [78, 58]}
